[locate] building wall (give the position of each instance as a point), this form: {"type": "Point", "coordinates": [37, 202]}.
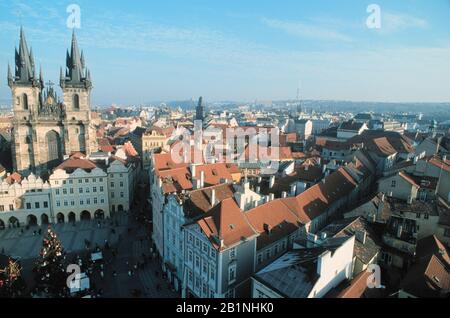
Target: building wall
{"type": "Point", "coordinates": [400, 188]}
{"type": "Point", "coordinates": [18, 201]}
{"type": "Point", "coordinates": [78, 192]}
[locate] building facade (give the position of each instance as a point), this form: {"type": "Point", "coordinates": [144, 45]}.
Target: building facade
{"type": "Point", "coordinates": [45, 129]}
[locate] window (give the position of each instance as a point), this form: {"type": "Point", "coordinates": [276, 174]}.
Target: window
{"type": "Point", "coordinates": [121, 194]}
{"type": "Point", "coordinates": [418, 215]}
{"type": "Point", "coordinates": [57, 191]}
{"type": "Point", "coordinates": [94, 189]}
{"type": "Point", "coordinates": [28, 206]}
{"type": "Point", "coordinates": [212, 274]}
{"type": "Point", "coordinates": [268, 254]}
{"type": "Point", "coordinates": [95, 200]}
{"type": "Point", "coordinates": [71, 190]}
{"type": "Point", "coordinates": [213, 253]}
{"type": "Point", "coordinates": [100, 180]}
{"type": "Point", "coordinates": [260, 258]}
{"type": "Point", "coordinates": [101, 188]}
{"type": "Point", "coordinates": [76, 102]}
{"type": "Point", "coordinates": [58, 203]}
{"type": "Point", "coordinates": [112, 184]}
{"type": "Point", "coordinates": [80, 181]}
{"type": "Point", "coordinates": [86, 180]}
{"type": "Point", "coordinates": [64, 182]}
{"type": "Point", "coordinates": [102, 200]}
{"type": "Point", "coordinates": [70, 181]}
{"type": "Point", "coordinates": [72, 203]}
{"type": "Point", "coordinates": [233, 253]}
{"type": "Point", "coordinates": [45, 204]}
{"type": "Point", "coordinates": [37, 205]}
{"type": "Point", "coordinates": [88, 190]}
{"type": "Point", "coordinates": [2, 208]}
{"type": "Point", "coordinates": [205, 268]}
{"type": "Point", "coordinates": [197, 262]}
{"type": "Point", "coordinates": [81, 202]}
{"type": "Point", "coordinates": [191, 276]}
{"type": "Point", "coordinates": [447, 233]}
{"type": "Point", "coordinates": [232, 274]}
{"type": "Point", "coordinates": [190, 256]}
{"type": "Point", "coordinates": [66, 203]}
{"type": "Point", "coordinates": [80, 190]}
{"type": "Point", "coordinates": [190, 238]}
{"type": "Point", "coordinates": [121, 184]}
{"type": "Point", "coordinates": [426, 216]}
{"type": "Point", "coordinates": [11, 207]}
{"type": "Point", "coordinates": [88, 201]}
{"type": "Point", "coordinates": [25, 101]}
{"type": "Point", "coordinates": [393, 183]}
{"type": "Point", "coordinates": [64, 191]}
{"type": "Point", "coordinates": [112, 195]}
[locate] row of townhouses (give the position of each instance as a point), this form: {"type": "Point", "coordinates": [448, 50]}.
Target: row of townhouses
{"type": "Point", "coordinates": [79, 188]}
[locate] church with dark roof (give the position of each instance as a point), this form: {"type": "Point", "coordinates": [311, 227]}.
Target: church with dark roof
{"type": "Point", "coordinates": [45, 128]}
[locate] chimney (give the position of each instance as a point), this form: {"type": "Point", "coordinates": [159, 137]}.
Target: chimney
{"type": "Point", "coordinates": [399, 231]}
{"type": "Point", "coordinates": [213, 197]}
{"type": "Point", "coordinates": [410, 199]}
{"type": "Point", "coordinates": [267, 228]}
{"type": "Point", "coordinates": [271, 181]}
{"type": "Point", "coordinates": [271, 197]}
{"type": "Point", "coordinates": [284, 194]}
{"type": "Point", "coordinates": [259, 179]}
{"type": "Point", "coordinates": [361, 236]}
{"type": "Point", "coordinates": [293, 190]}
{"type": "Point", "coordinates": [256, 203]}
{"type": "Point", "coordinates": [193, 170]}
{"type": "Point", "coordinates": [322, 262]}
{"type": "Point", "coordinates": [202, 179]}
{"type": "Point", "coordinates": [258, 189]}
{"type": "Point", "coordinates": [267, 198]}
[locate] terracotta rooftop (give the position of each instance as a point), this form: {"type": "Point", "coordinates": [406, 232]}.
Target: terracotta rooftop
{"type": "Point", "coordinates": [227, 224]}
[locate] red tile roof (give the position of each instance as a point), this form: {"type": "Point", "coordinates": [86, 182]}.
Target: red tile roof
{"type": "Point", "coordinates": [316, 200]}
{"type": "Point", "coordinates": [14, 178]}
{"type": "Point", "coordinates": [357, 287]}
{"type": "Point", "coordinates": [226, 223]}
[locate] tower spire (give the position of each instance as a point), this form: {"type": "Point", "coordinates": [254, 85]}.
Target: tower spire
{"type": "Point", "coordinates": [75, 66]}
{"type": "Point", "coordinates": [10, 76]}
{"type": "Point", "coordinates": [25, 70]}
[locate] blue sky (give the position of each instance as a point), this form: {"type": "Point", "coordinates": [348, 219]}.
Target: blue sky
{"type": "Point", "coordinates": [141, 51]}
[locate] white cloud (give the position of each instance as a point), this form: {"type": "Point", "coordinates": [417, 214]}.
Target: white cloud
{"type": "Point", "coordinates": [398, 21]}
{"type": "Point", "coordinates": [306, 30]}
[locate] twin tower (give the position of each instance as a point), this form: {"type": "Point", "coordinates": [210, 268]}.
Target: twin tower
{"type": "Point", "coordinates": [45, 129]}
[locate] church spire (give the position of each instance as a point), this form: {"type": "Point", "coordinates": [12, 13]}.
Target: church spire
{"type": "Point", "coordinates": [75, 66]}
{"type": "Point", "coordinates": [25, 70]}
{"type": "Point", "coordinates": [10, 76]}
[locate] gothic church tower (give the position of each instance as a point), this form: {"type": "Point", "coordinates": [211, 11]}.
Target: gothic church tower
{"type": "Point", "coordinates": [44, 129]}
{"type": "Point", "coordinates": [76, 85]}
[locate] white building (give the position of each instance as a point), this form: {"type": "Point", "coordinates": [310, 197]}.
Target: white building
{"type": "Point", "coordinates": [79, 191]}
{"type": "Point", "coordinates": [24, 201]}
{"type": "Point", "coordinates": [309, 272]}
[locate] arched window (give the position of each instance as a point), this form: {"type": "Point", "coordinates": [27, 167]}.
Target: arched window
{"type": "Point", "coordinates": [76, 101]}
{"type": "Point", "coordinates": [25, 101]}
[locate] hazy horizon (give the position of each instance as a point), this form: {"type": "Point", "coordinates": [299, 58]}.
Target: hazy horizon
{"type": "Point", "coordinates": [241, 51]}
